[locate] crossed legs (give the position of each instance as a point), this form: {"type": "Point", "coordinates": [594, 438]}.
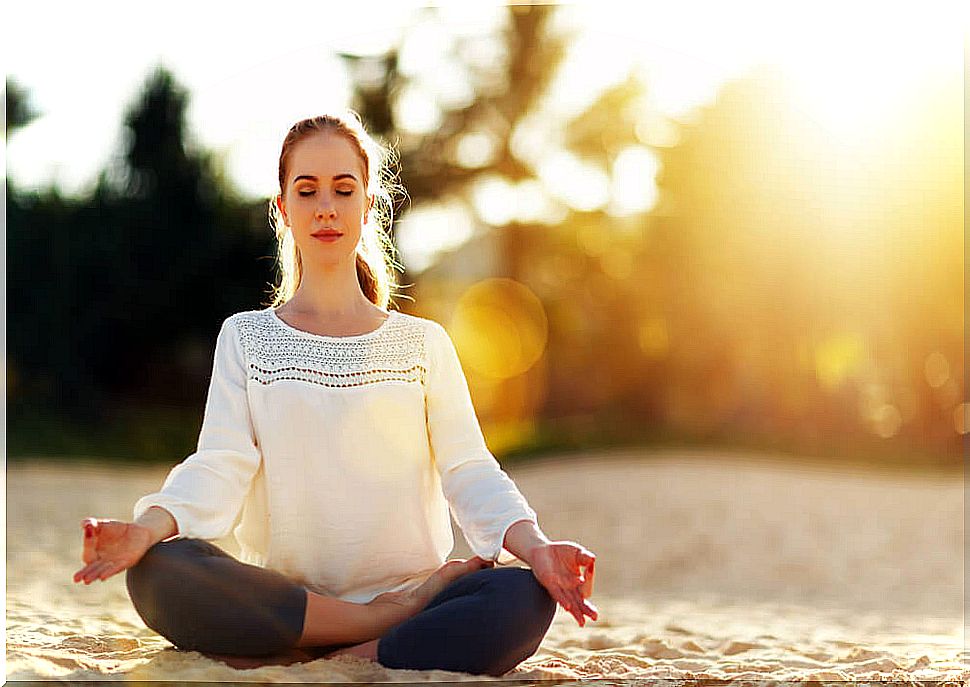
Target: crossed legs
{"type": "Point", "coordinates": [202, 599]}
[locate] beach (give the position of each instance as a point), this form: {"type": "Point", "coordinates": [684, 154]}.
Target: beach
{"type": "Point", "coordinates": [710, 565]}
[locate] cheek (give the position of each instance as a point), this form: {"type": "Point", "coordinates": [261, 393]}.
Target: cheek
{"type": "Point", "coordinates": [356, 208]}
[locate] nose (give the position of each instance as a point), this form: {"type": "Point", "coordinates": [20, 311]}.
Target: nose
{"type": "Point", "coordinates": [326, 207]}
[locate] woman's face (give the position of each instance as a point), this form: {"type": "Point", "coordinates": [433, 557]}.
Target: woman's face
{"type": "Point", "coordinates": [325, 195]}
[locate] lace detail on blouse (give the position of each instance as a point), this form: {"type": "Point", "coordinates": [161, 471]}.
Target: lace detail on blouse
{"type": "Point", "coordinates": [274, 352]}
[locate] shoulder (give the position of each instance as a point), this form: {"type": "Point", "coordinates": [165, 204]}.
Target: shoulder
{"type": "Point", "coordinates": [430, 333]}
{"type": "Point", "coordinates": [422, 324]}
{"type": "Point", "coordinates": [245, 317]}
{"type": "Point", "coordinates": [244, 329]}
{"type": "Point", "coordinates": [245, 322]}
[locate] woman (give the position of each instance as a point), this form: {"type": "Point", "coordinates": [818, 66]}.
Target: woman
{"type": "Point", "coordinates": [337, 434]}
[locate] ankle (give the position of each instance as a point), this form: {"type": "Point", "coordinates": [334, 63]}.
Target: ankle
{"type": "Point", "coordinates": [366, 650]}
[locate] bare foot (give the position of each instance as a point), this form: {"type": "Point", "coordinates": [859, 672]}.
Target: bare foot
{"type": "Point", "coordinates": [448, 573]}
{"type": "Point", "coordinates": [366, 650]}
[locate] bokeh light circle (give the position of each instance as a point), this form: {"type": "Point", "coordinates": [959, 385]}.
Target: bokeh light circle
{"type": "Point", "coordinates": [499, 328]}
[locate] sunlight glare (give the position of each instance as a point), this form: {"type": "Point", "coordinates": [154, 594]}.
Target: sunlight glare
{"type": "Point", "coordinates": [493, 197]}
{"type": "Point", "coordinates": [581, 185]}
{"type": "Point", "coordinates": [855, 86]}
{"type": "Point", "coordinates": [634, 187]}
{"type": "Point", "coordinates": [425, 232]}
{"type": "Point", "coordinates": [416, 111]}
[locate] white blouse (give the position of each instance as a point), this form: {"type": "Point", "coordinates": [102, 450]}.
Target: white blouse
{"type": "Point", "coordinates": [334, 459]}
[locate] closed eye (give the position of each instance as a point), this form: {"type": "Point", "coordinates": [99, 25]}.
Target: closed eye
{"type": "Point", "coordinates": [310, 193]}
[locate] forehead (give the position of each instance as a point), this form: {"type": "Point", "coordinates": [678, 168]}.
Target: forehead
{"type": "Point", "coordinates": [325, 155]}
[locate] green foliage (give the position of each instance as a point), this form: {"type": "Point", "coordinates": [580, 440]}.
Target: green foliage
{"type": "Point", "coordinates": [695, 323]}
{"type": "Point", "coordinates": [118, 296]}
{"type": "Point", "coordinates": [429, 167]}
{"type": "Point", "coordinates": [19, 112]}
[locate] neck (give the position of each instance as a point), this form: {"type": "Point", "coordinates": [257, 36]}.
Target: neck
{"type": "Point", "coordinates": [331, 291]}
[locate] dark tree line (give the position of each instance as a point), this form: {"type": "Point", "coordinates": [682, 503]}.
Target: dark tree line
{"type": "Point", "coordinates": [114, 296]}
{"type": "Point", "coordinates": [739, 306]}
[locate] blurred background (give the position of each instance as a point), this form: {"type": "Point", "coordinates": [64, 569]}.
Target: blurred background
{"type": "Point", "coordinates": [666, 228]}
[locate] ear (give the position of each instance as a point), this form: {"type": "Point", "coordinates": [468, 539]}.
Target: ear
{"type": "Point", "coordinates": [279, 205]}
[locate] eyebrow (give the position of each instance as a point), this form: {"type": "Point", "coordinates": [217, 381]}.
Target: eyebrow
{"type": "Point", "coordinates": [337, 177]}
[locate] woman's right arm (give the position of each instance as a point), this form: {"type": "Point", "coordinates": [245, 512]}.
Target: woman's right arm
{"type": "Point", "coordinates": [159, 523]}
{"type": "Point", "coordinates": [111, 546]}
{"type": "Point", "coordinates": [203, 495]}
{"type": "Point", "coordinates": [205, 492]}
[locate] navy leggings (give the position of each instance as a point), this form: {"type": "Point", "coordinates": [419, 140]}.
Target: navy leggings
{"type": "Point", "coordinates": [202, 599]}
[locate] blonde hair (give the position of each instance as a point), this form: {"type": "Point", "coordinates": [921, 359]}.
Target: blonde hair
{"type": "Point", "coordinates": [376, 260]}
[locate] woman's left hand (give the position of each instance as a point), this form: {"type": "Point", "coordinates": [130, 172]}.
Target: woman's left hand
{"type": "Point", "coordinates": [566, 570]}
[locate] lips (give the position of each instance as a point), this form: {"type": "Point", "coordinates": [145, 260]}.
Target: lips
{"type": "Point", "coordinates": [327, 235]}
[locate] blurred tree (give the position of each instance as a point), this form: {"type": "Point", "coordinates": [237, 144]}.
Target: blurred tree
{"type": "Point", "coordinates": [508, 90]}
{"type": "Point", "coordinates": [430, 166]}
{"type": "Point", "coordinates": [143, 271]}
{"type": "Point", "coordinates": [741, 305]}
{"type": "Point", "coordinates": [187, 247]}
{"type": "Point", "coordinates": [19, 112]}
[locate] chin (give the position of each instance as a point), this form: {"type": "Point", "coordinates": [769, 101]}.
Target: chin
{"type": "Point", "coordinates": [334, 258]}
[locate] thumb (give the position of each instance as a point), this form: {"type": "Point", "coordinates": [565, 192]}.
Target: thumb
{"type": "Point", "coordinates": [90, 527]}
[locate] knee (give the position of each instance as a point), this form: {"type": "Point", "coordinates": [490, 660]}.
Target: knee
{"type": "Point", "coordinates": [521, 590]}
{"type": "Point", "coordinates": [139, 577]}
{"type": "Point", "coordinates": [528, 613]}
{"type": "Point", "coordinates": [200, 598]}
{"type": "Point", "coordinates": [158, 565]}
{"type": "Point", "coordinates": [155, 582]}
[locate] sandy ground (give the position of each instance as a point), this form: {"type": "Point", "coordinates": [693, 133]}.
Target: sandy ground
{"type": "Point", "coordinates": [709, 566]}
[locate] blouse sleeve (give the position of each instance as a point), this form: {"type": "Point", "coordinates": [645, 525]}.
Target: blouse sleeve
{"type": "Point", "coordinates": [483, 499]}
{"type": "Point", "coordinates": [205, 492]}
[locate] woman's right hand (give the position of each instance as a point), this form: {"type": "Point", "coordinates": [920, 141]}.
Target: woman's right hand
{"type": "Point", "coordinates": [111, 546]}
{"type": "Point", "coordinates": [396, 607]}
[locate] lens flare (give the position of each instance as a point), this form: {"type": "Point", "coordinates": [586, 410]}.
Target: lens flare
{"type": "Point", "coordinates": [500, 328]}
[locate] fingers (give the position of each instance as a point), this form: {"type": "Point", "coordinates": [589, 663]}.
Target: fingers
{"type": "Point", "coordinates": [101, 567]}
{"type": "Point", "coordinates": [590, 610]}
{"type": "Point", "coordinates": [97, 570]}
{"type": "Point", "coordinates": [574, 604]}
{"type": "Point", "coordinates": [577, 586]}
{"type": "Point", "coordinates": [580, 607]}
{"type": "Point", "coordinates": [560, 597]}
{"type": "Point", "coordinates": [112, 568]}
{"type": "Point", "coordinates": [586, 588]}
{"type": "Point", "coordinates": [585, 558]}
{"type": "Point", "coordinates": [91, 530]}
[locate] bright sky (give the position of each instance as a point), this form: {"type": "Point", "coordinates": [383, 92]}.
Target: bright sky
{"type": "Point", "coordinates": [252, 70]}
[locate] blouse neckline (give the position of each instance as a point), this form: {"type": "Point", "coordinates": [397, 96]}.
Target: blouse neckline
{"type": "Point", "coordinates": [326, 337]}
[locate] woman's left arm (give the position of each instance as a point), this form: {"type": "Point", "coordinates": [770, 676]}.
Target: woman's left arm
{"type": "Point", "coordinates": [482, 497]}
{"type": "Point", "coordinates": [487, 505]}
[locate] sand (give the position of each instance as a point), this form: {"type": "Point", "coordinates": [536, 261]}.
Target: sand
{"type": "Point", "coordinates": [709, 566]}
